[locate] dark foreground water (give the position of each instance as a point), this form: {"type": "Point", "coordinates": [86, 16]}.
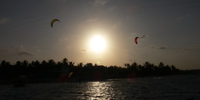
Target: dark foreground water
{"type": "Point", "coordinates": [183, 87]}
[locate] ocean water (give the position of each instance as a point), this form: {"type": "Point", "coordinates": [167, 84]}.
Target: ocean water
{"type": "Point", "coordinates": [180, 87]}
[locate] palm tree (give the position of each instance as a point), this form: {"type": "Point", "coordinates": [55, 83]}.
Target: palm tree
{"type": "Point", "coordinates": [127, 65]}
{"type": "Point", "coordinates": [161, 65]}
{"type": "Point", "coordinates": [18, 63]}
{"type": "Point", "coordinates": [37, 63]}
{"type": "Point", "coordinates": [25, 63]}
{"type": "Point", "coordinates": [65, 61]}
{"type": "Point", "coordinates": [71, 63]}
{"type": "Point", "coordinates": [4, 64]}
{"type": "Point", "coordinates": [44, 63]}
{"type": "Point", "coordinates": [80, 65]}
{"type": "Point", "coordinates": [51, 62]}
{"type": "Point", "coordinates": [134, 67]}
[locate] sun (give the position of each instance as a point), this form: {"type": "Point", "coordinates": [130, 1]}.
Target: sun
{"type": "Point", "coordinates": [97, 44]}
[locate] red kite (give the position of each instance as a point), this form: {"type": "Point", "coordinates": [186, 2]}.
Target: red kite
{"type": "Point", "coordinates": [136, 39]}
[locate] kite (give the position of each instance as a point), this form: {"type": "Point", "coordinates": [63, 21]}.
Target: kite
{"type": "Point", "coordinates": [52, 22]}
{"type": "Point", "coordinates": [136, 39]}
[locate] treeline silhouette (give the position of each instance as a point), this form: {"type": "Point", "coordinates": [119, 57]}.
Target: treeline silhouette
{"type": "Point", "coordinates": [51, 71]}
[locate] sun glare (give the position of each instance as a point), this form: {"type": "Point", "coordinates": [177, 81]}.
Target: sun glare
{"type": "Point", "coordinates": [97, 44]}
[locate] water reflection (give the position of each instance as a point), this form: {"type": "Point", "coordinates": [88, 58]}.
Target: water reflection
{"type": "Point", "coordinates": [166, 88]}
{"type": "Point", "coordinates": [99, 90]}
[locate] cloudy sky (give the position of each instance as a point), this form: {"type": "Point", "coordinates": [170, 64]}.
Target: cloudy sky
{"type": "Point", "coordinates": [169, 31]}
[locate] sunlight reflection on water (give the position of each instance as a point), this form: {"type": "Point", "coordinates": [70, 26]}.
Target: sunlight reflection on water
{"type": "Point", "coordinates": [164, 88]}
{"type": "Point", "coordinates": [100, 90]}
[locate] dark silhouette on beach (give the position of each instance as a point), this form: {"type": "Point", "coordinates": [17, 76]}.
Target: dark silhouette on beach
{"type": "Point", "coordinates": [51, 71]}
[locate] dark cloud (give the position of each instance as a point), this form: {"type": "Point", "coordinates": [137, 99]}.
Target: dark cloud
{"type": "Point", "coordinates": [192, 48]}
{"type": "Point", "coordinates": [4, 20]}
{"type": "Point", "coordinates": [83, 50]}
{"type": "Point", "coordinates": [99, 3]}
{"type": "Point", "coordinates": [12, 49]}
{"type": "Point", "coordinates": [162, 48]}
{"type": "Point", "coordinates": [25, 54]}
{"type": "Point", "coordinates": [152, 47]}
{"type": "Point", "coordinates": [4, 50]}
{"type": "Point", "coordinates": [196, 46]}
{"type": "Point", "coordinates": [187, 49]}
{"type": "Point", "coordinates": [19, 50]}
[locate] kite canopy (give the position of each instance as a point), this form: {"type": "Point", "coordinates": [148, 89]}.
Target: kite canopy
{"type": "Point", "coordinates": [52, 22]}
{"type": "Point", "coordinates": [136, 39]}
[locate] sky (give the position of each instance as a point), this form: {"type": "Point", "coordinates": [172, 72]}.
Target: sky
{"type": "Point", "coordinates": [168, 31]}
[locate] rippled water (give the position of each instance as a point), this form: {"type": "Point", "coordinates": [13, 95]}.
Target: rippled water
{"type": "Point", "coordinates": [164, 88]}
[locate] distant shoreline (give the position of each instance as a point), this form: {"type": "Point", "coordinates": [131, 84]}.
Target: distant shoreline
{"type": "Point", "coordinates": [55, 80]}
{"type": "Point", "coordinates": [65, 71]}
